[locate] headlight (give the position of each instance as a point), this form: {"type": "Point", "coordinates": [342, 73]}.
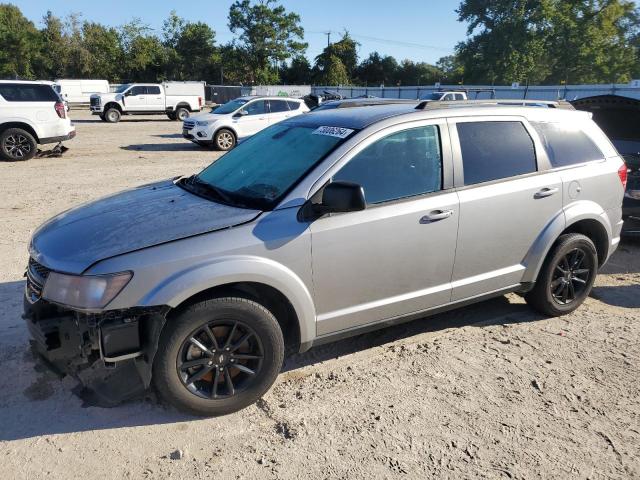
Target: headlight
{"type": "Point", "coordinates": [634, 194]}
{"type": "Point", "coordinates": [85, 292]}
{"type": "Point", "coordinates": [202, 123]}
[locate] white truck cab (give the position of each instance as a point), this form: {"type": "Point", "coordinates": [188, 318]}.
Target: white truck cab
{"type": "Point", "coordinates": [230, 123]}
{"type": "Point", "coordinates": [174, 99]}
{"type": "Point", "coordinates": [443, 96]}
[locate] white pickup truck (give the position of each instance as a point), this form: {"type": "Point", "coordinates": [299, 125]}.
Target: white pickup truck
{"type": "Point", "coordinates": [174, 99]}
{"type": "Point", "coordinates": [444, 96]}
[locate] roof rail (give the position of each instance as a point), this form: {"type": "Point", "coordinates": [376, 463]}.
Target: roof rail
{"type": "Point", "coordinates": [437, 104]}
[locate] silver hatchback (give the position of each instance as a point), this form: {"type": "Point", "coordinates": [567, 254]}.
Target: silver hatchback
{"type": "Point", "coordinates": [320, 227]}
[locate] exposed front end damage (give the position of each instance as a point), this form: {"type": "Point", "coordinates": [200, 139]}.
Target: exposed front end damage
{"type": "Point", "coordinates": [111, 353]}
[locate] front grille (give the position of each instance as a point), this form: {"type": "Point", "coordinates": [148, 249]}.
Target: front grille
{"type": "Point", "coordinates": [188, 124]}
{"type": "Point", "coordinates": [36, 276]}
{"type": "Point", "coordinates": [95, 101]}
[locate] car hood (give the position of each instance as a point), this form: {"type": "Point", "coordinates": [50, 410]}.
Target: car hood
{"type": "Point", "coordinates": [105, 97]}
{"type": "Point", "coordinates": [130, 220]}
{"type": "Point", "coordinates": [209, 117]}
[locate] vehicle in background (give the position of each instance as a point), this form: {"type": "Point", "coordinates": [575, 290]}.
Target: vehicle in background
{"type": "Point", "coordinates": [445, 96]}
{"type": "Point", "coordinates": [80, 91]}
{"type": "Point", "coordinates": [315, 229]}
{"type": "Point", "coordinates": [631, 204]}
{"type": "Point", "coordinates": [362, 102]}
{"type": "Point", "coordinates": [313, 99]}
{"type": "Point", "coordinates": [238, 119]}
{"type": "Point", "coordinates": [177, 100]}
{"type": "Point", "coordinates": [31, 114]}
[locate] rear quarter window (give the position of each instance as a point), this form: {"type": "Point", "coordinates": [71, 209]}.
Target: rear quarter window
{"type": "Point", "coordinates": [293, 105]}
{"type": "Point", "coordinates": [495, 150]}
{"type": "Point", "coordinates": [566, 144]}
{"type": "Point", "coordinates": [17, 92]}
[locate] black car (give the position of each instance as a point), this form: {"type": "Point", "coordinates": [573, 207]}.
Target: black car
{"type": "Point", "coordinates": [631, 204]}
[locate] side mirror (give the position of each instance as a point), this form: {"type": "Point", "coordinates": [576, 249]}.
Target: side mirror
{"type": "Point", "coordinates": [128, 93]}
{"type": "Point", "coordinates": [241, 113]}
{"type": "Point", "coordinates": [339, 197]}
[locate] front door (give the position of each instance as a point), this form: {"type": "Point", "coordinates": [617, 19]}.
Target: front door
{"type": "Point", "coordinates": [396, 256]}
{"type": "Point", "coordinates": [251, 119]}
{"type": "Point", "coordinates": [507, 198]}
{"type": "Point", "coordinates": [135, 99]}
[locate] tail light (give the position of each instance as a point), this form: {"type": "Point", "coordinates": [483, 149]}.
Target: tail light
{"type": "Point", "coordinates": [61, 110]}
{"type": "Point", "coordinates": [200, 102]}
{"type": "Point", "coordinates": [622, 173]}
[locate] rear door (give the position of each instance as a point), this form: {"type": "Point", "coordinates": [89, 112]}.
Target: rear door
{"type": "Point", "coordinates": [508, 195]}
{"type": "Point", "coordinates": [278, 111]}
{"type": "Point", "coordinates": [155, 99]}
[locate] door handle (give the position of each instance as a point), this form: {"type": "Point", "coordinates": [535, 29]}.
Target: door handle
{"type": "Point", "coordinates": [261, 118]}
{"type": "Point", "coordinates": [545, 192]}
{"type": "Point", "coordinates": [436, 215]}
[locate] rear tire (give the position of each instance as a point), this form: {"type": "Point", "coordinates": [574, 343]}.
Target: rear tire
{"type": "Point", "coordinates": [112, 115]}
{"type": "Point", "coordinates": [17, 145]}
{"type": "Point", "coordinates": [224, 140]}
{"type": "Point", "coordinates": [181, 114]}
{"type": "Point", "coordinates": [566, 277]}
{"type": "Point", "coordinates": [233, 372]}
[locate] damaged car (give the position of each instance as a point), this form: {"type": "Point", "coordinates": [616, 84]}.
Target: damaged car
{"type": "Point", "coordinates": [317, 228]}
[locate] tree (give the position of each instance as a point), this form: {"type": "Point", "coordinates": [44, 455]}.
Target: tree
{"type": "Point", "coordinates": [345, 50]}
{"type": "Point", "coordinates": [54, 48]}
{"type": "Point", "coordinates": [268, 35]}
{"type": "Point", "coordinates": [144, 54]}
{"type": "Point", "coordinates": [451, 68]}
{"type": "Point", "coordinates": [417, 73]}
{"type": "Point", "coordinates": [333, 73]}
{"type": "Point", "coordinates": [103, 50]}
{"type": "Point", "coordinates": [20, 44]}
{"type": "Point", "coordinates": [197, 51]}
{"type": "Point", "coordinates": [377, 69]}
{"type": "Point", "coordinates": [297, 73]}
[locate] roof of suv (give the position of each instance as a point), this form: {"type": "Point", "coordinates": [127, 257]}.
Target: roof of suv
{"type": "Point", "coordinates": [361, 117]}
{"type": "Point", "coordinates": [268, 97]}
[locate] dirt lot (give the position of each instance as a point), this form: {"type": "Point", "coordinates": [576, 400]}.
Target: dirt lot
{"type": "Point", "coordinates": [490, 391]}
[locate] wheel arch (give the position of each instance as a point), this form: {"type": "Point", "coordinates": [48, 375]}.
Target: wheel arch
{"type": "Point", "coordinates": [112, 104]}
{"type": "Point", "coordinates": [225, 127]}
{"type": "Point", "coordinates": [23, 125]}
{"type": "Point", "coordinates": [183, 105]}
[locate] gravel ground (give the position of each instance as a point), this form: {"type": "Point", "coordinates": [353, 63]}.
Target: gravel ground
{"type": "Point", "coordinates": [489, 391]}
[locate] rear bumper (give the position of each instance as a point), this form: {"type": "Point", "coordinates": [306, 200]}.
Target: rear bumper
{"type": "Point", "coordinates": [60, 138]}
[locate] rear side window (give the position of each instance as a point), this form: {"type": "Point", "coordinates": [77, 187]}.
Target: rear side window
{"type": "Point", "coordinates": [25, 92]}
{"type": "Point", "coordinates": [567, 144]}
{"type": "Point", "coordinates": [153, 90]}
{"type": "Point", "coordinates": [495, 150]}
{"type": "Point", "coordinates": [278, 106]}
{"type": "Point", "coordinates": [293, 105]}
{"type": "Point", "coordinates": [403, 164]}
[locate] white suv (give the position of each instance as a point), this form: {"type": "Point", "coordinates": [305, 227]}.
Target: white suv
{"type": "Point", "coordinates": [31, 113]}
{"type": "Point", "coordinates": [238, 119]}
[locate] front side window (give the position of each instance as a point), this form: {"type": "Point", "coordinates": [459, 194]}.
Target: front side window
{"type": "Point", "coordinates": [495, 150]}
{"type": "Point", "coordinates": [567, 144]}
{"type": "Point", "coordinates": [256, 108]}
{"type": "Point", "coordinates": [138, 90]}
{"type": "Point", "coordinates": [28, 92]}
{"type": "Point", "coordinates": [262, 169]}
{"type": "Point", "coordinates": [278, 106]}
{"type": "Point", "coordinates": [403, 164]}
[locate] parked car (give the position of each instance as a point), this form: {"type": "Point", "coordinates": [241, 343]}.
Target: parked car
{"type": "Point", "coordinates": [80, 91]}
{"type": "Point", "coordinates": [31, 114]}
{"type": "Point", "coordinates": [445, 96]}
{"type": "Point", "coordinates": [177, 100]}
{"type": "Point", "coordinates": [238, 119]}
{"type": "Point", "coordinates": [362, 102]}
{"type": "Point", "coordinates": [631, 204]}
{"type": "Point", "coordinates": [318, 228]}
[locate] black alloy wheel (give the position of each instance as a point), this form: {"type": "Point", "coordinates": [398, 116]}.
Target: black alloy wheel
{"type": "Point", "coordinates": [571, 276]}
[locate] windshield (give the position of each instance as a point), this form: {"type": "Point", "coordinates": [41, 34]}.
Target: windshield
{"type": "Point", "coordinates": [229, 107]}
{"type": "Point", "coordinates": [433, 96]}
{"type": "Point", "coordinates": [122, 88]}
{"type": "Point", "coordinates": [262, 169]}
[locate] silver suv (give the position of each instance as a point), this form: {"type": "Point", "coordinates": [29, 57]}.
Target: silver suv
{"type": "Point", "coordinates": [320, 227]}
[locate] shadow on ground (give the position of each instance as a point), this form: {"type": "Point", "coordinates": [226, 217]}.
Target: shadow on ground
{"type": "Point", "coordinates": [162, 147]}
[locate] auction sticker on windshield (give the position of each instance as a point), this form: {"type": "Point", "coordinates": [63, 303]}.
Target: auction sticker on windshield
{"type": "Point", "coordinates": [333, 131]}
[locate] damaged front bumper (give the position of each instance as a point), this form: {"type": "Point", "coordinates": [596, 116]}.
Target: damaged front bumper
{"type": "Point", "coordinates": [111, 353]}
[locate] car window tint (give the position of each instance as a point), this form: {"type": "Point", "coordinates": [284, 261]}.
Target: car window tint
{"type": "Point", "coordinates": [25, 92]}
{"type": "Point", "coordinates": [153, 90]}
{"type": "Point", "coordinates": [278, 106]}
{"type": "Point", "coordinates": [494, 150]}
{"type": "Point", "coordinates": [459, 96]}
{"type": "Point", "coordinates": [400, 165]}
{"type": "Point", "coordinates": [139, 90]}
{"type": "Point", "coordinates": [293, 105]}
{"type": "Point", "coordinates": [256, 108]}
{"type": "Point", "coordinates": [567, 144]}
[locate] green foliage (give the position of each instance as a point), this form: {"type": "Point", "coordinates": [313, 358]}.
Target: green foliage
{"type": "Point", "coordinates": [267, 36]}
{"type": "Point", "coordinates": [333, 73]}
{"type": "Point", "coordinates": [344, 50]}
{"type": "Point", "coordinates": [19, 44]}
{"type": "Point", "coordinates": [298, 73]}
{"type": "Point", "coordinates": [378, 70]}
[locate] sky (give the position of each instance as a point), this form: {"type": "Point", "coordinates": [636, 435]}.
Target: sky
{"type": "Point", "coordinates": [420, 30]}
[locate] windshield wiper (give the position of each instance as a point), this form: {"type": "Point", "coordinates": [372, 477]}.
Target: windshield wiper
{"type": "Point", "coordinates": [194, 183]}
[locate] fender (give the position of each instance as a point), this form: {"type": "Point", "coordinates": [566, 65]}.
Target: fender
{"type": "Point", "coordinates": [225, 270]}
{"type": "Point", "coordinates": [571, 214]}
{"type": "Point", "coordinates": [226, 127]}
{"type": "Point", "coordinates": [16, 121]}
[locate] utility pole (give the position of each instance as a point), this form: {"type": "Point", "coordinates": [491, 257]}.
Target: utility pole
{"type": "Point", "coordinates": [328, 34]}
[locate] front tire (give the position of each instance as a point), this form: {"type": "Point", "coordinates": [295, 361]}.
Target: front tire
{"type": "Point", "coordinates": [112, 115]}
{"type": "Point", "coordinates": [566, 277]}
{"type": "Point", "coordinates": [17, 145]}
{"type": "Point", "coordinates": [218, 356]}
{"type": "Point", "coordinates": [224, 140]}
